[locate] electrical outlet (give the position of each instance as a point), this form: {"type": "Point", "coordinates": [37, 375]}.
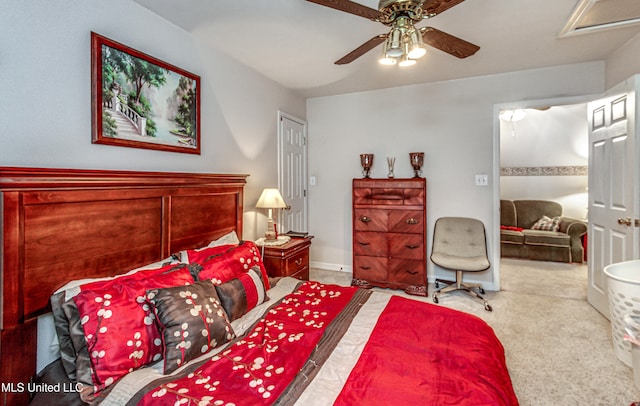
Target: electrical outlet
{"type": "Point", "coordinates": [312, 181]}
{"type": "Point", "coordinates": [482, 180]}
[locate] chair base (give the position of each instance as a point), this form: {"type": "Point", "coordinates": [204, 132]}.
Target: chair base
{"type": "Point", "coordinates": [459, 285]}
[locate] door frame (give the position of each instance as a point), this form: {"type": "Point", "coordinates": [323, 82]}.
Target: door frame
{"type": "Point", "coordinates": [526, 104]}
{"type": "Point", "coordinates": [282, 166]}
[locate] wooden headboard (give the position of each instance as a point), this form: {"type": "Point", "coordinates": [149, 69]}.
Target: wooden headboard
{"type": "Point", "coordinates": [64, 224]}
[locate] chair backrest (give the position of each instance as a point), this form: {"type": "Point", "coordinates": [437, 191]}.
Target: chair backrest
{"type": "Point", "coordinates": [460, 237]}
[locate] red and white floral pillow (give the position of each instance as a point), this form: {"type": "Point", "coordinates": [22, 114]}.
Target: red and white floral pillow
{"type": "Point", "coordinates": [109, 325]}
{"type": "Point", "coordinates": [66, 316]}
{"type": "Point", "coordinates": [120, 333]}
{"type": "Point", "coordinates": [225, 262]}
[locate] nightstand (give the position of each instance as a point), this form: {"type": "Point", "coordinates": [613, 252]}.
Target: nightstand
{"type": "Point", "coordinates": [290, 259]}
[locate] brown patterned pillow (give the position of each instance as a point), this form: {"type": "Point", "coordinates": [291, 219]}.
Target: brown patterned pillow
{"type": "Point", "coordinates": [547, 224]}
{"type": "Point", "coordinates": [192, 321]}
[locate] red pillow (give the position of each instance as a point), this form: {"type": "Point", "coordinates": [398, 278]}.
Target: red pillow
{"type": "Point", "coordinates": [512, 228]}
{"type": "Point", "coordinates": [120, 334]}
{"type": "Point", "coordinates": [225, 262]}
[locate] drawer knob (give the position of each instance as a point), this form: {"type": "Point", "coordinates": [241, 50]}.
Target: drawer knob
{"type": "Point", "coordinates": [365, 267]}
{"type": "Point", "coordinates": [412, 221]}
{"type": "Point", "coordinates": [412, 272]}
{"type": "Point", "coordinates": [365, 219]}
{"type": "Point", "coordinates": [412, 247]}
{"type": "Point", "coordinates": [363, 243]}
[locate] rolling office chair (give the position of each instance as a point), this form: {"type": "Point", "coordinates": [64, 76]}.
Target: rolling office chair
{"type": "Point", "coordinates": [460, 245]}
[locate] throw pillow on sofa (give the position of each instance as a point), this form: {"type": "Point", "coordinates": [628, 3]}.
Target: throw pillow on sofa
{"type": "Point", "coordinates": [547, 224]}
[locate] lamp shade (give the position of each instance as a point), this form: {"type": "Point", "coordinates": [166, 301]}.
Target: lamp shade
{"type": "Point", "coordinates": [270, 199]}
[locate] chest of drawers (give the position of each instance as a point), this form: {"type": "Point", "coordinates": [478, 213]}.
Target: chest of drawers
{"type": "Point", "coordinates": [389, 233]}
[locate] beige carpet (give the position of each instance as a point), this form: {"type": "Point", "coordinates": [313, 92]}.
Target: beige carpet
{"type": "Point", "coordinates": [558, 348]}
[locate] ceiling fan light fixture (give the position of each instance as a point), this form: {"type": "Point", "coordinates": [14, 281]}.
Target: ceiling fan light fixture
{"type": "Point", "coordinates": [406, 61]}
{"type": "Point", "coordinates": [417, 51]}
{"type": "Point", "coordinates": [385, 60]}
{"type": "Point", "coordinates": [416, 47]}
{"type": "Point", "coordinates": [394, 43]}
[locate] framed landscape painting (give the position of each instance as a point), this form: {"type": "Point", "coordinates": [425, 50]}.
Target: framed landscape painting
{"type": "Point", "coordinates": [139, 101]}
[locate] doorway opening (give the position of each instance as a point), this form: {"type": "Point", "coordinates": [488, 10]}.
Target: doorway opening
{"type": "Point", "coordinates": [543, 155]}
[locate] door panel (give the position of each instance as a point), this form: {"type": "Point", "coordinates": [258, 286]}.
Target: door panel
{"type": "Point", "coordinates": [292, 173]}
{"type": "Point", "coordinates": [613, 189]}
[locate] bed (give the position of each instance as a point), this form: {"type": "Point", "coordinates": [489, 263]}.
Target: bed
{"type": "Point", "coordinates": [85, 244]}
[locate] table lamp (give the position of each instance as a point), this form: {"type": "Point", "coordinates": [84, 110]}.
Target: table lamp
{"type": "Point", "coordinates": [270, 199]}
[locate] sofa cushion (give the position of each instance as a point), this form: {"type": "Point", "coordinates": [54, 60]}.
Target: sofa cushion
{"type": "Point", "coordinates": [511, 237]}
{"type": "Point", "coordinates": [548, 238]}
{"type": "Point", "coordinates": [530, 211]}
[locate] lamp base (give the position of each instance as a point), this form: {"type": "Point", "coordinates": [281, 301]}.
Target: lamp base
{"type": "Point", "coordinates": [281, 240]}
{"type": "Point", "coordinates": [270, 236]}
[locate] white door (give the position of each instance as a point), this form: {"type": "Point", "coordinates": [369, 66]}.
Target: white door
{"type": "Point", "coordinates": [613, 186]}
{"type": "Point", "coordinates": [292, 172]}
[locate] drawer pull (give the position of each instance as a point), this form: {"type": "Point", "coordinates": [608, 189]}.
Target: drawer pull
{"type": "Point", "coordinates": [366, 268]}
{"type": "Point", "coordinates": [386, 196]}
{"type": "Point", "coordinates": [412, 221]}
{"type": "Point", "coordinates": [412, 272]}
{"type": "Point", "coordinates": [364, 243]}
{"type": "Point", "coordinates": [412, 247]}
{"type": "Point", "coordinates": [299, 261]}
{"type": "Point", "coordinates": [365, 219]}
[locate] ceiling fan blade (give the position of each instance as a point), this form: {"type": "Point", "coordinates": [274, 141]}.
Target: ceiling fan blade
{"type": "Point", "coordinates": [433, 7]}
{"type": "Point", "coordinates": [351, 8]}
{"type": "Point", "coordinates": [448, 43]}
{"type": "Point", "coordinates": [362, 49]}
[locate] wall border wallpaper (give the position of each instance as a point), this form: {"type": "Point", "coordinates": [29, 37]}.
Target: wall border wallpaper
{"type": "Point", "coordinates": [545, 171]}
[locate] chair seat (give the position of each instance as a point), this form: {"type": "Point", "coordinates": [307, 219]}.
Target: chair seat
{"type": "Point", "coordinates": [467, 264]}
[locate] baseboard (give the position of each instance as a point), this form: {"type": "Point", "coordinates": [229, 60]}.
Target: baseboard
{"type": "Point", "coordinates": [327, 266]}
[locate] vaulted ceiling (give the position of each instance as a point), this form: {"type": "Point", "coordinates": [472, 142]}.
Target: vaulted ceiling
{"type": "Point", "coordinates": [296, 42]}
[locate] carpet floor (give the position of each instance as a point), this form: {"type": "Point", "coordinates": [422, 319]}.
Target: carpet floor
{"type": "Point", "coordinates": [558, 348]}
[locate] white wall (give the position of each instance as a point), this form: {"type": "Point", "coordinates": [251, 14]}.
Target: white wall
{"type": "Point", "coordinates": [45, 101]}
{"type": "Point", "coordinates": [548, 138]}
{"type": "Point", "coordinates": [624, 62]}
{"type": "Point", "coordinates": [452, 122]}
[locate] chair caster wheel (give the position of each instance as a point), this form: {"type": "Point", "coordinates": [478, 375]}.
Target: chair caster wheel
{"type": "Point", "coordinates": [437, 285]}
{"type": "Point", "coordinates": [435, 299]}
{"type": "Point", "coordinates": [481, 291]}
{"type": "Point", "coordinates": [488, 307]}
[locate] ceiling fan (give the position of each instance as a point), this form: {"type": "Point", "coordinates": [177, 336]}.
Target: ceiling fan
{"type": "Point", "coordinates": [404, 43]}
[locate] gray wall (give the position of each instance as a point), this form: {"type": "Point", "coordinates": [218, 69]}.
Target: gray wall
{"type": "Point", "coordinates": [557, 137]}
{"type": "Point", "coordinates": [455, 125]}
{"type": "Point", "coordinates": [45, 101]}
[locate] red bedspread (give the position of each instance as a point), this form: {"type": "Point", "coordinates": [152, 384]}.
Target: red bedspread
{"type": "Point", "coordinates": [258, 368]}
{"type": "Point", "coordinates": [452, 359]}
{"type": "Point", "coordinates": [325, 344]}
